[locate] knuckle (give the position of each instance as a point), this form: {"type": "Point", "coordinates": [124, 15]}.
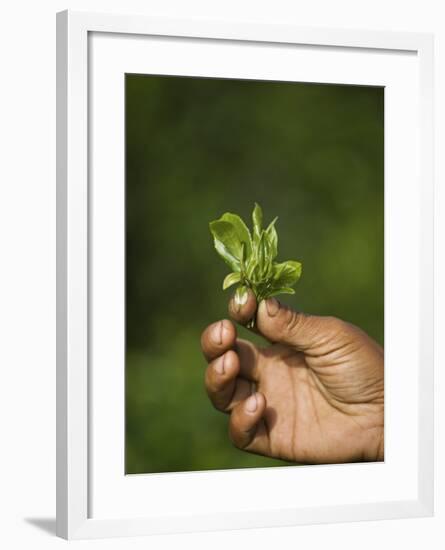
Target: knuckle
{"type": "Point", "coordinates": [215, 400]}
{"type": "Point", "coordinates": [209, 382]}
{"type": "Point", "coordinates": [231, 432]}
{"type": "Point", "coordinates": [233, 436]}
{"type": "Point", "coordinates": [217, 405]}
{"type": "Point", "coordinates": [212, 383]}
{"type": "Point", "coordinates": [213, 386]}
{"type": "Point", "coordinates": [233, 427]}
{"type": "Point", "coordinates": [292, 320]}
{"type": "Point", "coordinates": [336, 324]}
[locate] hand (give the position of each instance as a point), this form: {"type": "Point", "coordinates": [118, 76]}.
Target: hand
{"type": "Point", "coordinates": [314, 395]}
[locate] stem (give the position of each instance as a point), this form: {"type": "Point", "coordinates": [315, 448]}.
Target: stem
{"type": "Point", "coordinates": [251, 324]}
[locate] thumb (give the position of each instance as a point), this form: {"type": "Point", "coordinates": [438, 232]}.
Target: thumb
{"type": "Point", "coordinates": [281, 324]}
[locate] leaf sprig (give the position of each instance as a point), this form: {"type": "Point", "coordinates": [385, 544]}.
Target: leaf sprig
{"type": "Point", "coordinates": [251, 257]}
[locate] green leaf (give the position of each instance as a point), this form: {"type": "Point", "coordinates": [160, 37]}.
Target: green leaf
{"type": "Point", "coordinates": [262, 254]}
{"type": "Point", "coordinates": [257, 218]}
{"type": "Point", "coordinates": [272, 237]}
{"type": "Point", "coordinates": [286, 274]}
{"type": "Point", "coordinates": [267, 259]}
{"type": "Point", "coordinates": [231, 279]}
{"type": "Point", "coordinates": [282, 290]}
{"type": "Point", "coordinates": [251, 256]}
{"type": "Point", "coordinates": [227, 243]}
{"type": "Point", "coordinates": [242, 231]}
{"type": "Point", "coordinates": [251, 267]}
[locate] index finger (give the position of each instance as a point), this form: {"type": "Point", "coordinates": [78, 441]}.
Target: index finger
{"type": "Point", "coordinates": [217, 339]}
{"type": "Point", "coordinates": [242, 307]}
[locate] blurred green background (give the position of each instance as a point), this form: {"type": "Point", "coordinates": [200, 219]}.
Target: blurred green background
{"type": "Point", "coordinates": [195, 148]}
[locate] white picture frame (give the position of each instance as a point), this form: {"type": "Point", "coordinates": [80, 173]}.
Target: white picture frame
{"type": "Point", "coordinates": [94, 496]}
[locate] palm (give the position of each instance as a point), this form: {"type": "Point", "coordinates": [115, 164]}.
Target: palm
{"type": "Point", "coordinates": [313, 414]}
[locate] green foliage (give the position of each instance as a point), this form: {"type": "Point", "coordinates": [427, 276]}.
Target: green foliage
{"type": "Point", "coordinates": [231, 279]}
{"type": "Point", "coordinates": [252, 256]}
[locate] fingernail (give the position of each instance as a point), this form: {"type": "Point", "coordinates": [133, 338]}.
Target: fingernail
{"type": "Point", "coordinates": [219, 365]}
{"type": "Point", "coordinates": [272, 306]}
{"type": "Point", "coordinates": [251, 404]}
{"type": "Point", "coordinates": [216, 333]}
{"type": "Point", "coordinates": [241, 298]}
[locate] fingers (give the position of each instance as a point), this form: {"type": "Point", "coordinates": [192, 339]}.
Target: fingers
{"type": "Point", "coordinates": [249, 359]}
{"type": "Point", "coordinates": [279, 323]}
{"type": "Point", "coordinates": [222, 385]}
{"type": "Point", "coordinates": [230, 378]}
{"type": "Point", "coordinates": [217, 339]}
{"type": "Point", "coordinates": [246, 428]}
{"type": "Point", "coordinates": [243, 308]}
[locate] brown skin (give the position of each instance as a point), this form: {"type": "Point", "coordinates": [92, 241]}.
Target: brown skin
{"type": "Point", "coordinates": [314, 395]}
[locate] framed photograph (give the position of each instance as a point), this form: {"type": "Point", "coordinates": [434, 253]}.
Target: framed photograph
{"type": "Point", "coordinates": [244, 284]}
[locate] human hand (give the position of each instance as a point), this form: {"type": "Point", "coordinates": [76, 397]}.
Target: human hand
{"type": "Point", "coordinates": [314, 395]}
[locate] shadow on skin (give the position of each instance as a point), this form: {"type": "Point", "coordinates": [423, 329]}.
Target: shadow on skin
{"type": "Point", "coordinates": [45, 524]}
{"type": "Point", "coordinates": [272, 417]}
